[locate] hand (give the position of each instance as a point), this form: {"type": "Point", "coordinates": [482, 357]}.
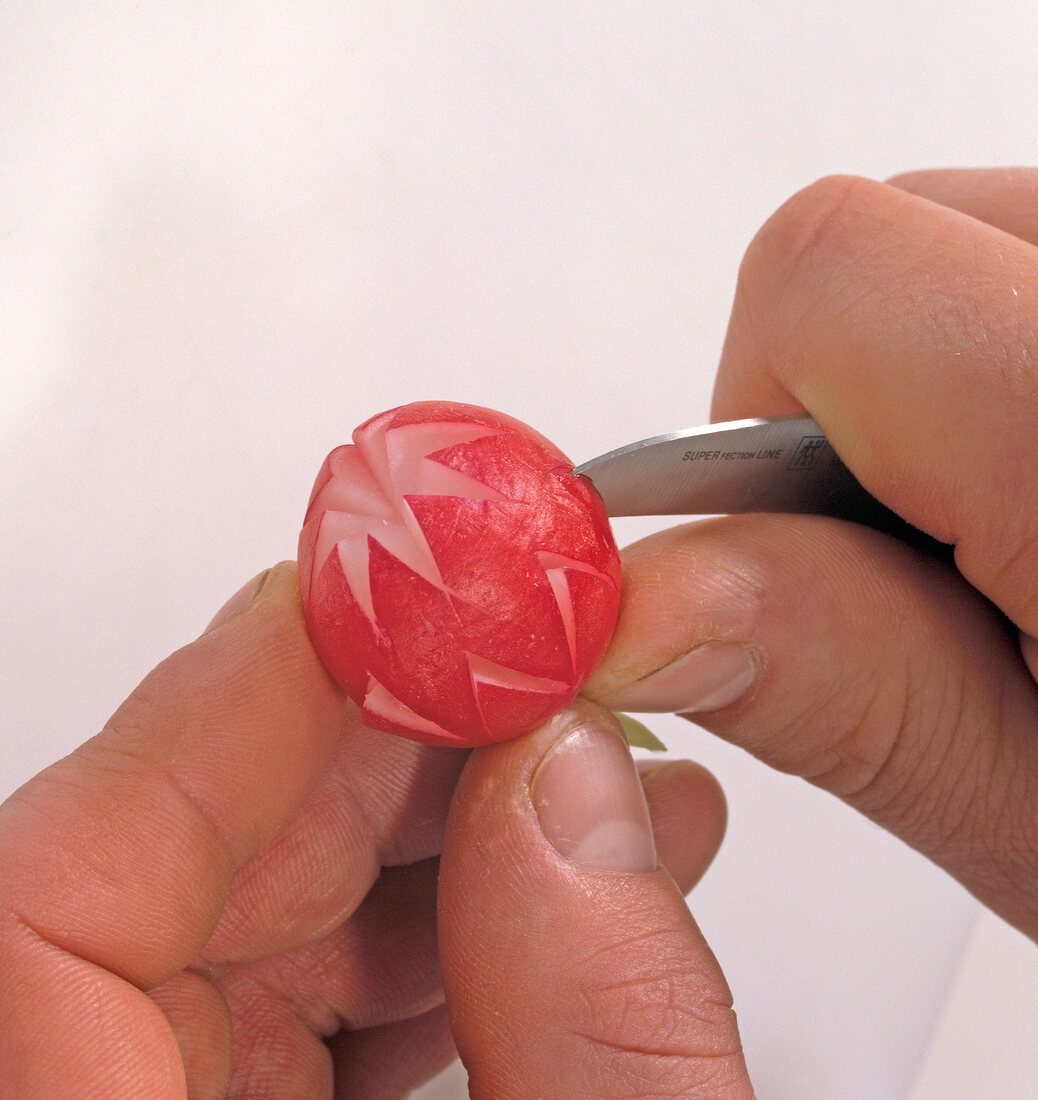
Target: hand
{"type": "Point", "coordinates": [904, 318]}
{"type": "Point", "coordinates": [231, 891]}
{"type": "Point", "coordinates": [235, 867]}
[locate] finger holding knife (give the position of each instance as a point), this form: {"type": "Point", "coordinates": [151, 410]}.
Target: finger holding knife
{"type": "Point", "coordinates": [906, 328]}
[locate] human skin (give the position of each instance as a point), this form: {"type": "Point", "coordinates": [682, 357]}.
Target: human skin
{"type": "Point", "coordinates": [237, 890]}
{"type": "Point", "coordinates": [906, 686]}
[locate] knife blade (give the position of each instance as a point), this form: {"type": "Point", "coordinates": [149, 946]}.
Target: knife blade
{"type": "Point", "coordinates": [770, 464]}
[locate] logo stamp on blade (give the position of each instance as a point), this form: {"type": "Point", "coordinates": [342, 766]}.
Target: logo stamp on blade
{"type": "Point", "coordinates": [808, 452]}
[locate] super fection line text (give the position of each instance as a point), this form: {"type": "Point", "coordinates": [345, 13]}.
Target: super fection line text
{"type": "Point", "coordinates": [711, 456]}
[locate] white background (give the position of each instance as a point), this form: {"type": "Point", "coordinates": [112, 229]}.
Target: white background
{"type": "Point", "coordinates": [231, 231]}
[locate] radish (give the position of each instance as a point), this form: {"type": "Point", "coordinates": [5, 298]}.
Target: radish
{"type": "Point", "coordinates": [458, 579]}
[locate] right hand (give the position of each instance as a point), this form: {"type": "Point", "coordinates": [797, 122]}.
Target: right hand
{"type": "Point", "coordinates": [904, 318]}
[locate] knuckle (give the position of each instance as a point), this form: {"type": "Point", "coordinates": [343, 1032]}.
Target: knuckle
{"type": "Point", "coordinates": [938, 770]}
{"type": "Point", "coordinates": [836, 730]}
{"type": "Point", "coordinates": [903, 742]}
{"type": "Point", "coordinates": [849, 758]}
{"type": "Point", "coordinates": [814, 219]}
{"type": "Point", "coordinates": [810, 257]}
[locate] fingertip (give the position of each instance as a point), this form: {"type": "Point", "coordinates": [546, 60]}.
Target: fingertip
{"type": "Point", "coordinates": [689, 814]}
{"type": "Point", "coordinates": [238, 603]}
{"type": "Point", "coordinates": [277, 586]}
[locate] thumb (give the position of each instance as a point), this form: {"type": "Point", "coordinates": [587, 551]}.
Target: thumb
{"type": "Point", "coordinates": [571, 964]}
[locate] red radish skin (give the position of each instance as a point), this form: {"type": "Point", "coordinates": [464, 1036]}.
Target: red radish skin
{"type": "Point", "coordinates": [459, 580]}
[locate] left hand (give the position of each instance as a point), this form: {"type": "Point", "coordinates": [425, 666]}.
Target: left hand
{"type": "Point", "coordinates": [232, 890]}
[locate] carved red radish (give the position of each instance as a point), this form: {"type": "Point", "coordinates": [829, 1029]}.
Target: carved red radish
{"type": "Point", "coordinates": [458, 579]}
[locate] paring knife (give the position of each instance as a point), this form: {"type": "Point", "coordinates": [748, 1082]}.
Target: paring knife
{"type": "Point", "coordinates": [772, 464]}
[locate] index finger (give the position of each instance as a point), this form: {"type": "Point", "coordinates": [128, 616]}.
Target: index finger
{"type": "Point", "coordinates": [236, 781]}
{"type": "Point", "coordinates": [908, 329]}
{"type": "Point", "coordinates": [116, 861]}
{"type": "Point", "coordinates": [123, 853]}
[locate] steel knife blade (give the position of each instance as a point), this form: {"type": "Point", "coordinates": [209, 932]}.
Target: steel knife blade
{"type": "Point", "coordinates": [771, 464]}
